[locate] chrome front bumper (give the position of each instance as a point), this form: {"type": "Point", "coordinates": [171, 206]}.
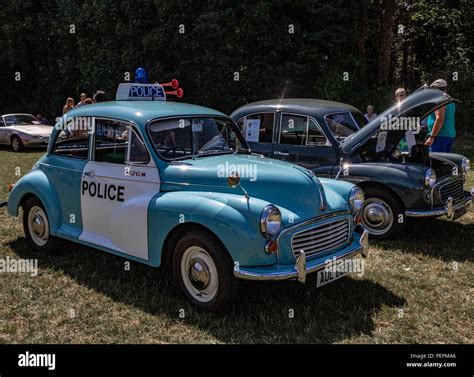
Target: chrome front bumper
{"type": "Point", "coordinates": [449, 209]}
{"type": "Point", "coordinates": [302, 267]}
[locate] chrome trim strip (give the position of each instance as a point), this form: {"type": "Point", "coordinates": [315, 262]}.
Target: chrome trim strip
{"type": "Point", "coordinates": [300, 271]}
{"type": "Point", "coordinates": [439, 211]}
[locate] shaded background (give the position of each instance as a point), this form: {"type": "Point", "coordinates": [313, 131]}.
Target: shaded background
{"type": "Point", "coordinates": [381, 44]}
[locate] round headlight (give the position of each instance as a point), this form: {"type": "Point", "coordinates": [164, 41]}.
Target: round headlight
{"type": "Point", "coordinates": [356, 199]}
{"type": "Point", "coordinates": [270, 221]}
{"type": "Point", "coordinates": [430, 178]}
{"type": "Point", "coordinates": [465, 164]}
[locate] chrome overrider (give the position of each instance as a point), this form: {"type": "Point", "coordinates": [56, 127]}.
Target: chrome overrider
{"type": "Point", "coordinates": [449, 208]}
{"type": "Point", "coordinates": [301, 268]}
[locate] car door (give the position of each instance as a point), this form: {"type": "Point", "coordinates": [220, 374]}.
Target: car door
{"type": "Point", "coordinates": [117, 186]}
{"type": "Point", "coordinates": [258, 130]}
{"type": "Point", "coordinates": [302, 141]}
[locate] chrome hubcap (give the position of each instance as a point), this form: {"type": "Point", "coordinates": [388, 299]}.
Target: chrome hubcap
{"type": "Point", "coordinates": [199, 274]}
{"type": "Point", "coordinates": [38, 226]}
{"type": "Point", "coordinates": [377, 216]}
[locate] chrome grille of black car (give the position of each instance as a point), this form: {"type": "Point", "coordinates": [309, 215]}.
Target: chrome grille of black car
{"type": "Point", "coordinates": [452, 188]}
{"type": "Point", "coordinates": [321, 238]}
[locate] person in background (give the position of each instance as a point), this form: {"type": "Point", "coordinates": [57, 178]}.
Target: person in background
{"type": "Point", "coordinates": [88, 101]}
{"type": "Point", "coordinates": [42, 119]}
{"type": "Point", "coordinates": [441, 123]}
{"type": "Point", "coordinates": [99, 96]}
{"type": "Point", "coordinates": [69, 105]}
{"type": "Point", "coordinates": [369, 115]}
{"type": "Point", "coordinates": [400, 94]}
{"type": "Point", "coordinates": [82, 102]}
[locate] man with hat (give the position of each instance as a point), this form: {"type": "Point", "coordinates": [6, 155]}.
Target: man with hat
{"type": "Point", "coordinates": [441, 123]}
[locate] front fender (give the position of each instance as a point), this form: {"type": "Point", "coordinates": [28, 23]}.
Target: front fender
{"type": "Point", "coordinates": [233, 219]}
{"type": "Point", "coordinates": [405, 180]}
{"type": "Point", "coordinates": [36, 183]}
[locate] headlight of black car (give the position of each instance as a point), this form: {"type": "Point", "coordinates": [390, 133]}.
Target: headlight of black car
{"type": "Point", "coordinates": [465, 165]}
{"type": "Point", "coordinates": [430, 178]}
{"type": "Point", "coordinates": [356, 199]}
{"type": "Point", "coordinates": [270, 221]}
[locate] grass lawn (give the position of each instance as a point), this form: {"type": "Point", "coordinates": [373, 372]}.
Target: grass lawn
{"type": "Point", "coordinates": [416, 289]}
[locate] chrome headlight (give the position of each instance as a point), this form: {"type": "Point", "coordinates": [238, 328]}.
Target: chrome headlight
{"type": "Point", "coordinates": [270, 221]}
{"type": "Point", "coordinates": [465, 165]}
{"type": "Point", "coordinates": [356, 199]}
{"type": "Point", "coordinates": [430, 178]}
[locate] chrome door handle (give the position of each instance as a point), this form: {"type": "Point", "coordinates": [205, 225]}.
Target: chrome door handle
{"type": "Point", "coordinates": [89, 173]}
{"type": "Point", "coordinates": [281, 153]}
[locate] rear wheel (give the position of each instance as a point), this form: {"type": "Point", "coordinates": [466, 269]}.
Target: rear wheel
{"type": "Point", "coordinates": [36, 226]}
{"type": "Point", "coordinates": [16, 144]}
{"type": "Point", "coordinates": [381, 214]}
{"type": "Point", "coordinates": [203, 270]}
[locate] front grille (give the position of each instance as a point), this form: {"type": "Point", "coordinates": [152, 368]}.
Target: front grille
{"type": "Point", "coordinates": [321, 238]}
{"type": "Point", "coordinates": [453, 188]}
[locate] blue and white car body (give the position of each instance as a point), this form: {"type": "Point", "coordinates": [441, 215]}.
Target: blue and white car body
{"type": "Point", "coordinates": [168, 183]}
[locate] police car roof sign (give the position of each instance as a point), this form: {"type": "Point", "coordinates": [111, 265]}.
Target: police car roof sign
{"type": "Point", "coordinates": [140, 92]}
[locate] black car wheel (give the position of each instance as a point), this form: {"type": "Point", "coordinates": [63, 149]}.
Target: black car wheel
{"type": "Point", "coordinates": [16, 144]}
{"type": "Point", "coordinates": [36, 226]}
{"type": "Point", "coordinates": [204, 271]}
{"type": "Point", "coordinates": [381, 214]}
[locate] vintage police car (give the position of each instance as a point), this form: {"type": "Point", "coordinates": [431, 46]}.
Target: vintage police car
{"type": "Point", "coordinates": [332, 139]}
{"type": "Point", "coordinates": [167, 183]}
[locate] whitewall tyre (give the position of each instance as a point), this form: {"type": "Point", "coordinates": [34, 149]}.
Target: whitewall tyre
{"type": "Point", "coordinates": [36, 226]}
{"type": "Point", "coordinates": [203, 270]}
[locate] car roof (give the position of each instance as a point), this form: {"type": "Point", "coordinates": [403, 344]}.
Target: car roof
{"type": "Point", "coordinates": [140, 112]}
{"type": "Point", "coordinates": [17, 114]}
{"type": "Point", "coordinates": [303, 105]}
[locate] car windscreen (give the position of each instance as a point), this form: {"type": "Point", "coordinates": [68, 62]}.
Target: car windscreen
{"type": "Point", "coordinates": [20, 120]}
{"type": "Point", "coordinates": [195, 136]}
{"type": "Point", "coordinates": [341, 125]}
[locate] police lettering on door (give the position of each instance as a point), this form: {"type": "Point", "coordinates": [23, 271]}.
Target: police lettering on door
{"type": "Point", "coordinates": [103, 191]}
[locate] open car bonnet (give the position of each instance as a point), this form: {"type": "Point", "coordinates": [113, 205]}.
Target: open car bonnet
{"type": "Point", "coordinates": [417, 105]}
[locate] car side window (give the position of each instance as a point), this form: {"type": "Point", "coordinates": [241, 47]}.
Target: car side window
{"type": "Point", "coordinates": [257, 128]}
{"type": "Point", "coordinates": [315, 134]}
{"type": "Point", "coordinates": [294, 129]}
{"type": "Point", "coordinates": [73, 141]}
{"type": "Point", "coordinates": [111, 141]}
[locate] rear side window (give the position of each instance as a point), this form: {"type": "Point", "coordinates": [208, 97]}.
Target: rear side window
{"type": "Point", "coordinates": [73, 141]}
{"type": "Point", "coordinates": [257, 128]}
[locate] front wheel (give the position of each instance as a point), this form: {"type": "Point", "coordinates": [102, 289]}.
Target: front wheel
{"type": "Point", "coordinates": [203, 270]}
{"type": "Point", "coordinates": [382, 214]}
{"type": "Point", "coordinates": [16, 144]}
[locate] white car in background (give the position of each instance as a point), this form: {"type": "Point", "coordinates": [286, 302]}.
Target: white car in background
{"type": "Point", "coordinates": [23, 130]}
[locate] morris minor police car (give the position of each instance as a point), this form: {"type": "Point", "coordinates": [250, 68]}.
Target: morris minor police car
{"type": "Point", "coordinates": [174, 184]}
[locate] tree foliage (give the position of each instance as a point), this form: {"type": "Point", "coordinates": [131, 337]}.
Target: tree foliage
{"type": "Point", "coordinates": [229, 53]}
